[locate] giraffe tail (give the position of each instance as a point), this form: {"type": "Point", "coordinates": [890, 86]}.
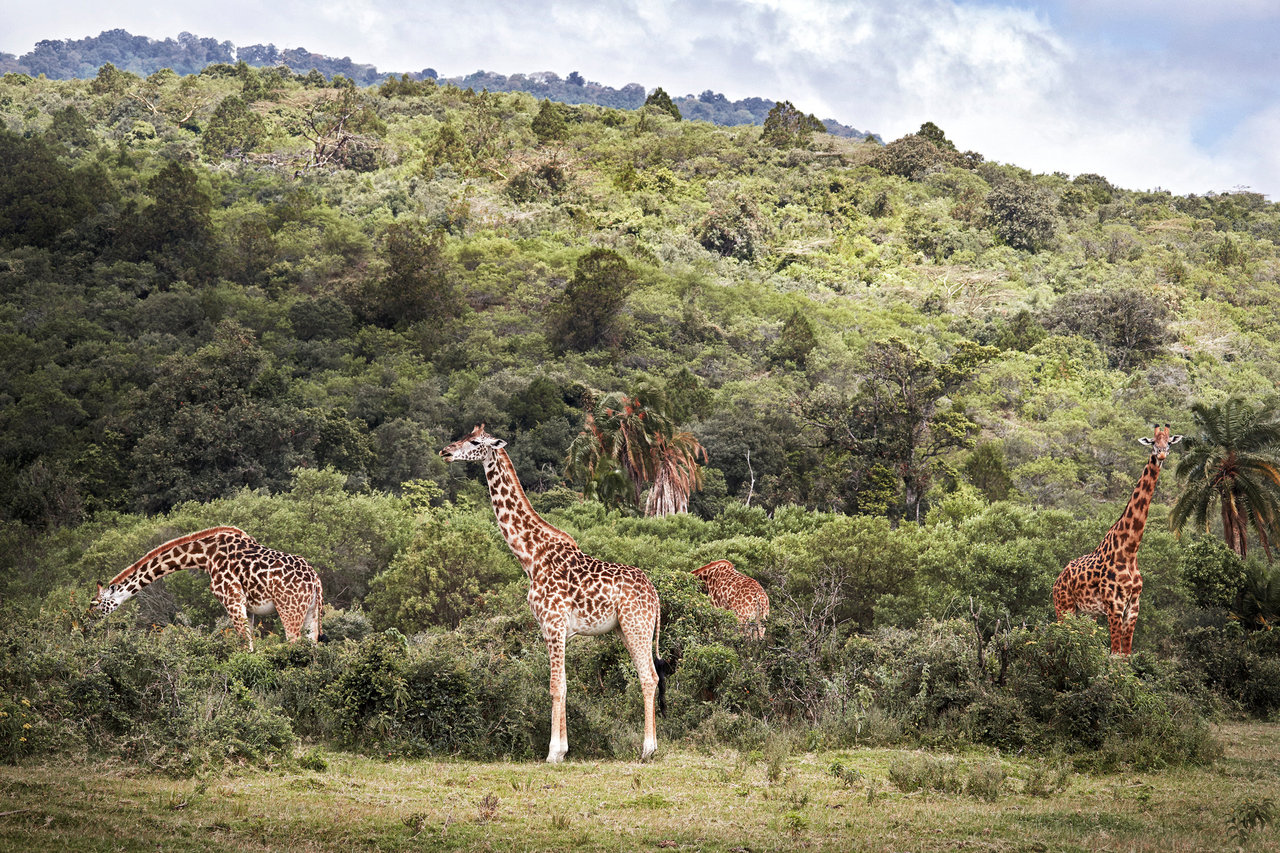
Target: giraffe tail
{"type": "Point", "coordinates": [663, 668]}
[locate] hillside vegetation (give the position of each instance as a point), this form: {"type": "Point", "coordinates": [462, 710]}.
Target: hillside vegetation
{"type": "Point", "coordinates": [258, 298]}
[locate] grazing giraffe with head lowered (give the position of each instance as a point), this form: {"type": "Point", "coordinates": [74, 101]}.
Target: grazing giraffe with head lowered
{"type": "Point", "coordinates": [570, 592]}
{"type": "Point", "coordinates": [732, 590]}
{"type": "Point", "coordinates": [243, 575]}
{"type": "Point", "coordinates": [1106, 581]}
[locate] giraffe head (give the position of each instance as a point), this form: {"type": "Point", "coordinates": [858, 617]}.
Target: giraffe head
{"type": "Point", "coordinates": [473, 447]}
{"type": "Point", "coordinates": [1161, 443]}
{"type": "Point", "coordinates": [109, 597]}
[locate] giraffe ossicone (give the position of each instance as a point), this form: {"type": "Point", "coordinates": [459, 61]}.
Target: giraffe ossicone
{"type": "Point", "coordinates": [1106, 581]}
{"type": "Point", "coordinates": [732, 590]}
{"type": "Point", "coordinates": [246, 577]}
{"type": "Point", "coordinates": [570, 592]}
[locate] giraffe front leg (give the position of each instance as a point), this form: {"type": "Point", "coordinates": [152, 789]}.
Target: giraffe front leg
{"type": "Point", "coordinates": [239, 617]}
{"type": "Point", "coordinates": [559, 746]}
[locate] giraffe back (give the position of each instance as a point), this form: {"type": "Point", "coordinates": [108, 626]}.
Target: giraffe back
{"type": "Point", "coordinates": [730, 589]}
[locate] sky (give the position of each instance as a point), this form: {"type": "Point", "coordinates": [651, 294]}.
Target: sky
{"type": "Point", "coordinates": [1182, 95]}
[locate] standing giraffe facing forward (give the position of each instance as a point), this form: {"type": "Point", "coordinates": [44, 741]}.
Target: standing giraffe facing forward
{"type": "Point", "coordinates": [1106, 581]}
{"type": "Point", "coordinates": [732, 590]}
{"type": "Point", "coordinates": [245, 577]}
{"type": "Point", "coordinates": [569, 592]}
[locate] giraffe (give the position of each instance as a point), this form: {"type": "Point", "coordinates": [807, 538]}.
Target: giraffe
{"type": "Point", "coordinates": [1106, 581]}
{"type": "Point", "coordinates": [732, 590]}
{"type": "Point", "coordinates": [245, 577]}
{"type": "Point", "coordinates": [570, 592]}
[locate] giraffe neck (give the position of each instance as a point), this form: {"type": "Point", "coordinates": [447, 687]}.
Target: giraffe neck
{"type": "Point", "coordinates": [521, 525]}
{"type": "Point", "coordinates": [196, 551]}
{"type": "Point", "coordinates": [1126, 534]}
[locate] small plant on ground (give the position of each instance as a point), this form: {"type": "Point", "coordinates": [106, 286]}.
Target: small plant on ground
{"type": "Point", "coordinates": [985, 781]}
{"type": "Point", "coordinates": [848, 776]}
{"type": "Point", "coordinates": [1249, 814]}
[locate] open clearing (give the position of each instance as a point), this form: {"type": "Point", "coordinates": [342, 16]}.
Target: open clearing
{"type": "Point", "coordinates": [684, 801]}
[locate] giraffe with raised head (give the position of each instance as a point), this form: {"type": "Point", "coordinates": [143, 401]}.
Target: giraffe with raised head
{"type": "Point", "coordinates": [1106, 581]}
{"type": "Point", "coordinates": [246, 577]}
{"type": "Point", "coordinates": [731, 589]}
{"type": "Point", "coordinates": [570, 592]}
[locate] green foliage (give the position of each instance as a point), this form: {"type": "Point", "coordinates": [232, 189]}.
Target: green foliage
{"type": "Point", "coordinates": [233, 129]}
{"type": "Point", "coordinates": [732, 228]}
{"type": "Point", "coordinates": [659, 99]}
{"type": "Point", "coordinates": [1022, 215]}
{"type": "Point", "coordinates": [1214, 573]}
{"type": "Point", "coordinates": [788, 127]}
{"type": "Point", "coordinates": [549, 124]}
{"type": "Point", "coordinates": [1232, 463]}
{"type": "Point", "coordinates": [915, 376]}
{"type": "Point", "coordinates": [915, 156]}
{"type": "Point", "coordinates": [1130, 326]}
{"type": "Point", "coordinates": [455, 560]}
{"type": "Point", "coordinates": [585, 316]}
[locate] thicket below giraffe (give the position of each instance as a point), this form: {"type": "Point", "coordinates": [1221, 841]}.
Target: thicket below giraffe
{"type": "Point", "coordinates": [570, 592]}
{"type": "Point", "coordinates": [731, 589]}
{"type": "Point", "coordinates": [1106, 581]}
{"type": "Point", "coordinates": [246, 577]}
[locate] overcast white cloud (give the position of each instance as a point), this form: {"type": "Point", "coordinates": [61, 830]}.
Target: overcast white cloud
{"type": "Point", "coordinates": [1179, 94]}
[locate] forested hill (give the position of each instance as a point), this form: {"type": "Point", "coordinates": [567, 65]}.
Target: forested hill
{"type": "Point", "coordinates": [901, 383]}
{"type": "Point", "coordinates": [70, 59]}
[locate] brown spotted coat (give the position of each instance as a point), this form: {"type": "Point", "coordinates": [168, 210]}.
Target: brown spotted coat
{"type": "Point", "coordinates": [732, 590]}
{"type": "Point", "coordinates": [569, 592]}
{"type": "Point", "coordinates": [1106, 581]}
{"type": "Point", "coordinates": [246, 577]}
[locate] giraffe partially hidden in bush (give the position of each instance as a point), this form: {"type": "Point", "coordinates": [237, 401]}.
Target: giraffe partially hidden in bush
{"type": "Point", "coordinates": [1106, 581]}
{"type": "Point", "coordinates": [569, 592]}
{"type": "Point", "coordinates": [732, 590]}
{"type": "Point", "coordinates": [246, 577]}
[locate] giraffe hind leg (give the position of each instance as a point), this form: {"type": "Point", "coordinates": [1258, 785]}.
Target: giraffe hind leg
{"type": "Point", "coordinates": [637, 634]}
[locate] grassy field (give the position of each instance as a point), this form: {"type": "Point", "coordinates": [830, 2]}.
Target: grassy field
{"type": "Point", "coordinates": [684, 801]}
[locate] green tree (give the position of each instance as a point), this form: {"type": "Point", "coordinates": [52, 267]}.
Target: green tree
{"type": "Point", "coordinates": [934, 134]}
{"type": "Point", "coordinates": [39, 196]}
{"type": "Point", "coordinates": [417, 287]}
{"type": "Point", "coordinates": [898, 420]}
{"type": "Point", "coordinates": [233, 129]}
{"type": "Point", "coordinates": [1022, 214]}
{"type": "Point", "coordinates": [1213, 572]}
{"type": "Point", "coordinates": [549, 123]}
{"type": "Point", "coordinates": [214, 421]}
{"type": "Point", "coordinates": [585, 316]}
{"type": "Point", "coordinates": [1128, 324]}
{"type": "Point", "coordinates": [1232, 463]}
{"type": "Point", "coordinates": [788, 127]}
{"type": "Point", "coordinates": [176, 229]}
{"type": "Point", "coordinates": [733, 228]}
{"type": "Point", "coordinates": [796, 341]}
{"type": "Point", "coordinates": [914, 157]}
{"type": "Point", "coordinates": [457, 558]}
{"type": "Point", "coordinates": [631, 442]}
{"type": "Point", "coordinates": [660, 99]}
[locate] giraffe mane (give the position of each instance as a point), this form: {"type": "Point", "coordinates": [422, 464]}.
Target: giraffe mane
{"type": "Point", "coordinates": [174, 543]}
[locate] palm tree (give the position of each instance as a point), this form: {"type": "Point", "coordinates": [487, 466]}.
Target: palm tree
{"type": "Point", "coordinates": [629, 443]}
{"type": "Point", "coordinates": [1235, 463]}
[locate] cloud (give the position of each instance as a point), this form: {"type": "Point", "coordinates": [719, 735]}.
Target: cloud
{"type": "Point", "coordinates": [1132, 89]}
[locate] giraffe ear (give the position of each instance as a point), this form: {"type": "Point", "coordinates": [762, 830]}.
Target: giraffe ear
{"type": "Point", "coordinates": [1147, 441]}
{"type": "Point", "coordinates": [1174, 439]}
{"type": "Point", "coordinates": [99, 587]}
{"type": "Point", "coordinates": [498, 444]}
